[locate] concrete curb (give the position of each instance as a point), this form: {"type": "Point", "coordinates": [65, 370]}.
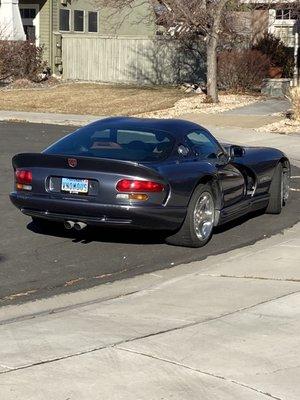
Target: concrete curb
{"type": "Point", "coordinates": [48, 118]}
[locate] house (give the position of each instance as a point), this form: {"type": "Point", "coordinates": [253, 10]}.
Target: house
{"type": "Point", "coordinates": [88, 42]}
{"type": "Point", "coordinates": [280, 19]}
{"type": "Point", "coordinates": [46, 21]}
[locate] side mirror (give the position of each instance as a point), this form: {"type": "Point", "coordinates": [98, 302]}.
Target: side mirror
{"type": "Point", "coordinates": [223, 158]}
{"type": "Point", "coordinates": [236, 151]}
{"type": "Point", "coordinates": [183, 150]}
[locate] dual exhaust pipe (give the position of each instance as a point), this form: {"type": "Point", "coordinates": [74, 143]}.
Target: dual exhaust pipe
{"type": "Point", "coordinates": [78, 226]}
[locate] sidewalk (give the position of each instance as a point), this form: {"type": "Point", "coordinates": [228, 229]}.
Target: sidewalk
{"type": "Point", "coordinates": [47, 118]}
{"type": "Point", "coordinates": [250, 117]}
{"type": "Point", "coordinates": [221, 329]}
{"type": "Point", "coordinates": [289, 144]}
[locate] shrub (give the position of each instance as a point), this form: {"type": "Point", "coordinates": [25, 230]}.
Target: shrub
{"type": "Point", "coordinates": [20, 60]}
{"type": "Point", "coordinates": [242, 70]}
{"type": "Point", "coordinates": [295, 99]}
{"type": "Point", "coordinates": [280, 55]}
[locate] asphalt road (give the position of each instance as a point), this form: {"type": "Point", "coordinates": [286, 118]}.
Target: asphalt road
{"type": "Point", "coordinates": [35, 265]}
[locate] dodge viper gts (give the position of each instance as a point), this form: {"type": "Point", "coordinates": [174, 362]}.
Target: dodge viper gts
{"type": "Point", "coordinates": [170, 175]}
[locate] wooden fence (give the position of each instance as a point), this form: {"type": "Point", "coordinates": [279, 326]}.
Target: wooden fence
{"type": "Point", "coordinates": [130, 60]}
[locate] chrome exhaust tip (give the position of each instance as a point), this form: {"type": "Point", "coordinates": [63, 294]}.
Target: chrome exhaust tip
{"type": "Point", "coordinates": [79, 226]}
{"type": "Point", "coordinates": [69, 224]}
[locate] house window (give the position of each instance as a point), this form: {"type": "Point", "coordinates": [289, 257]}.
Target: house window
{"type": "Point", "coordinates": [28, 13]}
{"type": "Point", "coordinates": [64, 20]}
{"type": "Point", "coordinates": [286, 14]}
{"type": "Point", "coordinates": [93, 21]}
{"type": "Point", "coordinates": [78, 20]}
{"type": "Point", "coordinates": [30, 21]}
{"type": "Point", "coordinates": [285, 34]}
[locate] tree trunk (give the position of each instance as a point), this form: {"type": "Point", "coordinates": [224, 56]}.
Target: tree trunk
{"type": "Point", "coordinates": [212, 87]}
{"type": "Point", "coordinates": [211, 50]}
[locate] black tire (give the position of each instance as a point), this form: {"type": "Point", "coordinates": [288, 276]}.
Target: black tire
{"type": "Point", "coordinates": [186, 236]}
{"type": "Point", "coordinates": [276, 198]}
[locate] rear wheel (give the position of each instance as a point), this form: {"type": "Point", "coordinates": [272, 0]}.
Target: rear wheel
{"type": "Point", "coordinates": [279, 191]}
{"type": "Point", "coordinates": [197, 227]}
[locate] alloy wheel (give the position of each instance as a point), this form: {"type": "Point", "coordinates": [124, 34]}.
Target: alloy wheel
{"type": "Point", "coordinates": [204, 215]}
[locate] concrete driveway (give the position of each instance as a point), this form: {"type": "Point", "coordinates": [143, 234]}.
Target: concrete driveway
{"type": "Point", "coordinates": [224, 328]}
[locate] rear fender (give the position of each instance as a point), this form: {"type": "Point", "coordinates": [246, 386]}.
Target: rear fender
{"type": "Point", "coordinates": [184, 177]}
{"type": "Point", "coordinates": [215, 186]}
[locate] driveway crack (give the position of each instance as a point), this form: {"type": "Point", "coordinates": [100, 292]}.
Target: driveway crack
{"type": "Point", "coordinates": [172, 362]}
{"type": "Point", "coordinates": [148, 335]}
{"type": "Point", "coordinates": [262, 278]}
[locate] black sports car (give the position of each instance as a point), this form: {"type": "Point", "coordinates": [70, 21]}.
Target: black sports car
{"type": "Point", "coordinates": [171, 175]}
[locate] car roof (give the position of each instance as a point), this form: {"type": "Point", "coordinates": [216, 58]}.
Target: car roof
{"type": "Point", "coordinates": [175, 127]}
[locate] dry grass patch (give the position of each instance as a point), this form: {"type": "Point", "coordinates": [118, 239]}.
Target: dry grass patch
{"type": "Point", "coordinates": [94, 99]}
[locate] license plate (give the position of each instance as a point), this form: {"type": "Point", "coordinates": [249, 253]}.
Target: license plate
{"type": "Point", "coordinates": [74, 185]}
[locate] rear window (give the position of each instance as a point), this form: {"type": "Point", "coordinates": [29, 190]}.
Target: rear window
{"type": "Point", "coordinates": [114, 143]}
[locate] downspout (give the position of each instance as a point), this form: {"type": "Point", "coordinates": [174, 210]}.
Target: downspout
{"type": "Point", "coordinates": [51, 34]}
{"type": "Point", "coordinates": [296, 54]}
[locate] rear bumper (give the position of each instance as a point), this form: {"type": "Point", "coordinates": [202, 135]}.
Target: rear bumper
{"type": "Point", "coordinates": [134, 216]}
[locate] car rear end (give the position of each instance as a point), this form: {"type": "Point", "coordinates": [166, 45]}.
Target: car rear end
{"type": "Point", "coordinates": [93, 191]}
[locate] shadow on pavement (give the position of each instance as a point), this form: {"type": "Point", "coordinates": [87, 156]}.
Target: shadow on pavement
{"type": "Point", "coordinates": [123, 235]}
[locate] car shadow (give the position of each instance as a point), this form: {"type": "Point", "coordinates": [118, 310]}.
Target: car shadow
{"type": "Point", "coordinates": [237, 222]}
{"type": "Point", "coordinates": [124, 235]}
{"type": "Point", "coordinates": [101, 234]}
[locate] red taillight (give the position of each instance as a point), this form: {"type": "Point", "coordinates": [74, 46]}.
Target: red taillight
{"type": "Point", "coordinates": [127, 185]}
{"type": "Point", "coordinates": [24, 177]}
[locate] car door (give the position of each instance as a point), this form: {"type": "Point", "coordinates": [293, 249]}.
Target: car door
{"type": "Point", "coordinates": [205, 147]}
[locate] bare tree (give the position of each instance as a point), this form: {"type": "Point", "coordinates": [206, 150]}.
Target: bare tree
{"type": "Point", "coordinates": [207, 19]}
{"type": "Point", "coordinates": [198, 18]}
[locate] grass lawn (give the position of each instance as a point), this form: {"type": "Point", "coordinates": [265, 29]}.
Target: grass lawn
{"type": "Point", "coordinates": [95, 99]}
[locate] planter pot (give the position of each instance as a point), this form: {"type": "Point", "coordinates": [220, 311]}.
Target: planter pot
{"type": "Point", "coordinates": [278, 88]}
{"type": "Point", "coordinates": [275, 72]}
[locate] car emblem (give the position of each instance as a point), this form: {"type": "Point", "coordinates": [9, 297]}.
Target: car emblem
{"type": "Point", "coordinates": [72, 162]}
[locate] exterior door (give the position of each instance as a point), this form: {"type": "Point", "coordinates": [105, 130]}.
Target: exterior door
{"type": "Point", "coordinates": [233, 184]}
{"type": "Point", "coordinates": [206, 147]}
{"type": "Point", "coordinates": [30, 20]}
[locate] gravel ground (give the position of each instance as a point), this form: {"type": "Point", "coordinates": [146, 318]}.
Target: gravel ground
{"type": "Point", "coordinates": [197, 105]}
{"type": "Point", "coordinates": [285, 126]}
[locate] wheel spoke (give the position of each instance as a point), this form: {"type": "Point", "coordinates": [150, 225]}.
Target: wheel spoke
{"type": "Point", "coordinates": [285, 188]}
{"type": "Point", "coordinates": [204, 216]}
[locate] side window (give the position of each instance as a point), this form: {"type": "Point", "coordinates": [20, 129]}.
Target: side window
{"type": "Point", "coordinates": [127, 136]}
{"type": "Point", "coordinates": [203, 144]}
{"type": "Point", "coordinates": [78, 20]}
{"type": "Point", "coordinates": [104, 134]}
{"type": "Point", "coordinates": [92, 21]}
{"type": "Point", "coordinates": [64, 19]}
